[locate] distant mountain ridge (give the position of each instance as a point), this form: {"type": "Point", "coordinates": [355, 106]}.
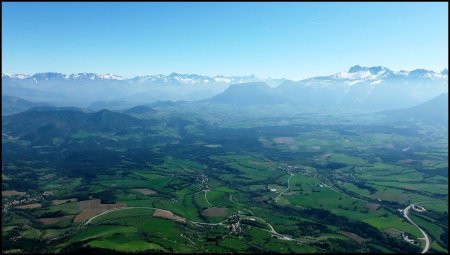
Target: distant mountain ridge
{"type": "Point", "coordinates": [87, 88]}
{"type": "Point", "coordinates": [353, 73]}
{"type": "Point", "coordinates": [369, 88]}
{"type": "Point", "coordinates": [173, 78]}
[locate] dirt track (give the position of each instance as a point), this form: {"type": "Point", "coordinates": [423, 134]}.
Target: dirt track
{"type": "Point", "coordinates": [93, 207]}
{"type": "Point", "coordinates": [168, 215]}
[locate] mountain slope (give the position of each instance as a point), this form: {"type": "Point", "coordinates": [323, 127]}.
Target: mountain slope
{"type": "Point", "coordinates": [12, 105]}
{"type": "Point", "coordinates": [256, 93]}
{"type": "Point", "coordinates": [433, 112]}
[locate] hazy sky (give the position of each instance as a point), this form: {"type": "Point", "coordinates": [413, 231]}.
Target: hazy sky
{"type": "Point", "coordinates": [290, 40]}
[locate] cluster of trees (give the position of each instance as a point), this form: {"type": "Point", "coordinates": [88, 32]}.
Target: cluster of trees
{"type": "Point", "coordinates": [106, 196]}
{"type": "Point", "coordinates": [12, 240]}
{"type": "Point", "coordinates": [19, 184]}
{"type": "Point", "coordinates": [341, 246]}
{"type": "Point", "coordinates": [444, 238]}
{"type": "Point", "coordinates": [25, 244]}
{"type": "Point", "coordinates": [439, 218]}
{"type": "Point", "coordinates": [22, 178]}
{"type": "Point", "coordinates": [51, 214]}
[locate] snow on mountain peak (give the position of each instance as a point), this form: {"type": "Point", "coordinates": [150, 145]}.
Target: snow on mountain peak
{"type": "Point", "coordinates": [111, 77]}
{"type": "Point", "coordinates": [92, 76]}
{"type": "Point", "coordinates": [17, 76]}
{"type": "Point", "coordinates": [195, 79]}
{"type": "Point", "coordinates": [355, 75]}
{"type": "Point", "coordinates": [360, 73]}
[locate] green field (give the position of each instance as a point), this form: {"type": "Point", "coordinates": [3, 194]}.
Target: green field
{"type": "Point", "coordinates": [324, 184]}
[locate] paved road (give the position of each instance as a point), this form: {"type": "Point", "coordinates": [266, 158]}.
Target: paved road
{"type": "Point", "coordinates": [427, 239]}
{"type": "Point", "coordinates": [152, 208]}
{"type": "Point", "coordinates": [121, 208]}
{"type": "Point", "coordinates": [289, 185]}
{"type": "Point", "coordinates": [272, 230]}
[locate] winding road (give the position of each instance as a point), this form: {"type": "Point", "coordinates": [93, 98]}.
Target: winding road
{"type": "Point", "coordinates": [151, 208]}
{"type": "Point", "coordinates": [272, 230]}
{"type": "Point", "coordinates": [425, 236]}
{"type": "Point", "coordinates": [231, 199]}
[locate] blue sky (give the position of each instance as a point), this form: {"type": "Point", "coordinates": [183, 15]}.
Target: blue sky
{"type": "Point", "coordinates": [290, 40]}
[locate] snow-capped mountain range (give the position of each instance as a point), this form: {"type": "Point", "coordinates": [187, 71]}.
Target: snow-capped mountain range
{"type": "Point", "coordinates": [104, 87]}
{"type": "Point", "coordinates": [369, 87]}
{"type": "Point", "coordinates": [173, 78]}
{"type": "Point", "coordinates": [375, 87]}
{"type": "Point", "coordinates": [376, 75]}
{"type": "Point", "coordinates": [354, 75]}
{"type": "Point", "coordinates": [52, 76]}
